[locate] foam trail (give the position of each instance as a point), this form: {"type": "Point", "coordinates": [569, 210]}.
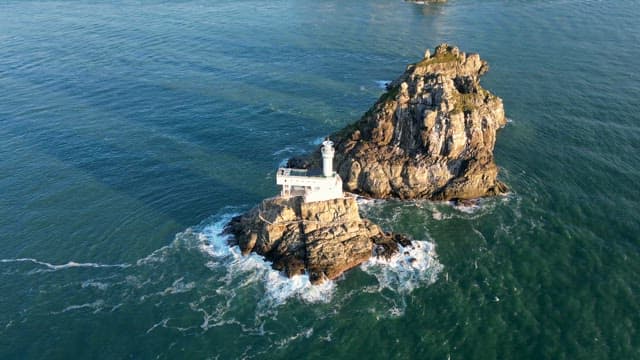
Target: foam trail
{"type": "Point", "coordinates": [162, 323]}
{"type": "Point", "coordinates": [287, 149]}
{"type": "Point", "coordinates": [97, 306]}
{"type": "Point", "coordinates": [94, 284]}
{"type": "Point", "coordinates": [70, 264]}
{"type": "Point", "coordinates": [305, 333]}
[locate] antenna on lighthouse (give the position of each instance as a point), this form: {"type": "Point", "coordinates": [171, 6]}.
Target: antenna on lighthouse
{"type": "Point", "coordinates": [327, 157]}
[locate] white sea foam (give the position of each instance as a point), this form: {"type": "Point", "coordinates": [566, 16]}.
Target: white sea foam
{"type": "Point", "coordinates": [71, 264]}
{"type": "Point", "coordinates": [177, 287]}
{"type": "Point", "coordinates": [305, 333]}
{"type": "Point", "coordinates": [437, 215]}
{"type": "Point", "coordinates": [328, 337]}
{"type": "Point", "coordinates": [413, 266]}
{"type": "Point", "coordinates": [158, 255]}
{"type": "Point", "coordinates": [288, 149]}
{"type": "Point", "coordinates": [162, 323]}
{"type": "Point", "coordinates": [469, 207]}
{"type": "Point", "coordinates": [280, 288]}
{"type": "Point", "coordinates": [255, 270]}
{"type": "Point", "coordinates": [95, 284]}
{"type": "Point", "coordinates": [439, 210]}
{"type": "Point", "coordinates": [365, 203]}
{"type": "Point", "coordinates": [382, 84]}
{"type": "Point", "coordinates": [97, 306]}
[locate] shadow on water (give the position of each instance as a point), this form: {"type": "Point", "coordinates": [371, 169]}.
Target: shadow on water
{"type": "Point", "coordinates": [177, 180]}
{"type": "Point", "coordinates": [144, 174]}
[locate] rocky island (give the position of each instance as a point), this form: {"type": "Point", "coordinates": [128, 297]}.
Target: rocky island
{"type": "Point", "coordinates": [312, 226]}
{"type": "Point", "coordinates": [430, 136]}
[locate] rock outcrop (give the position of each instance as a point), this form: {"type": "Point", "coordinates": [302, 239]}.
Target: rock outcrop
{"type": "Point", "coordinates": [430, 136]}
{"type": "Point", "coordinates": [322, 238]}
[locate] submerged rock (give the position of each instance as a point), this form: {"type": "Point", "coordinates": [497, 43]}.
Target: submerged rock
{"type": "Point", "coordinates": [430, 136]}
{"type": "Point", "coordinates": [321, 238]}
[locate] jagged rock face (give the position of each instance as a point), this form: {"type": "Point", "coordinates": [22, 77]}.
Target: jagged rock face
{"type": "Point", "coordinates": [323, 238]}
{"type": "Point", "coordinates": [430, 136]}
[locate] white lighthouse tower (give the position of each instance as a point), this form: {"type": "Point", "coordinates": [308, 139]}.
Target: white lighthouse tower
{"type": "Point", "coordinates": [327, 157]}
{"type": "Point", "coordinates": [298, 182]}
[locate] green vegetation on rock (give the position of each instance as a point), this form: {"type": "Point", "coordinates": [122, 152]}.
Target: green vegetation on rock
{"type": "Point", "coordinates": [438, 59]}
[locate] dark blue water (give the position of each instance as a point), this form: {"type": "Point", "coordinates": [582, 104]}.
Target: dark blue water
{"type": "Point", "coordinates": [130, 132]}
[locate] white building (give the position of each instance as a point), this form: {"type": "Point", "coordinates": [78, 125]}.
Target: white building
{"type": "Point", "coordinates": [298, 182]}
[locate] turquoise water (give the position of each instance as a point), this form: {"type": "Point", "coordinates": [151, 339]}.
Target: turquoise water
{"type": "Point", "coordinates": [131, 131]}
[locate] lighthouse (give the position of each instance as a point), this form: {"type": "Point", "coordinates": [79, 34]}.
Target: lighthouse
{"type": "Point", "coordinates": [300, 182]}
{"type": "Point", "coordinates": [327, 158]}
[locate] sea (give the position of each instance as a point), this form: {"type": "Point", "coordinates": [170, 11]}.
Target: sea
{"type": "Point", "coordinates": [132, 131]}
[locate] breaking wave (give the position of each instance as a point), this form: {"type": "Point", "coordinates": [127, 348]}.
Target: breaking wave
{"type": "Point", "coordinates": [151, 277]}
{"type": "Point", "coordinates": [255, 270]}
{"type": "Point", "coordinates": [413, 266]}
{"type": "Point", "coordinates": [199, 272]}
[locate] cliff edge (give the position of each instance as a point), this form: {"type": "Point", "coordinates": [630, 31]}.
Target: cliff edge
{"type": "Point", "coordinates": [430, 136]}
